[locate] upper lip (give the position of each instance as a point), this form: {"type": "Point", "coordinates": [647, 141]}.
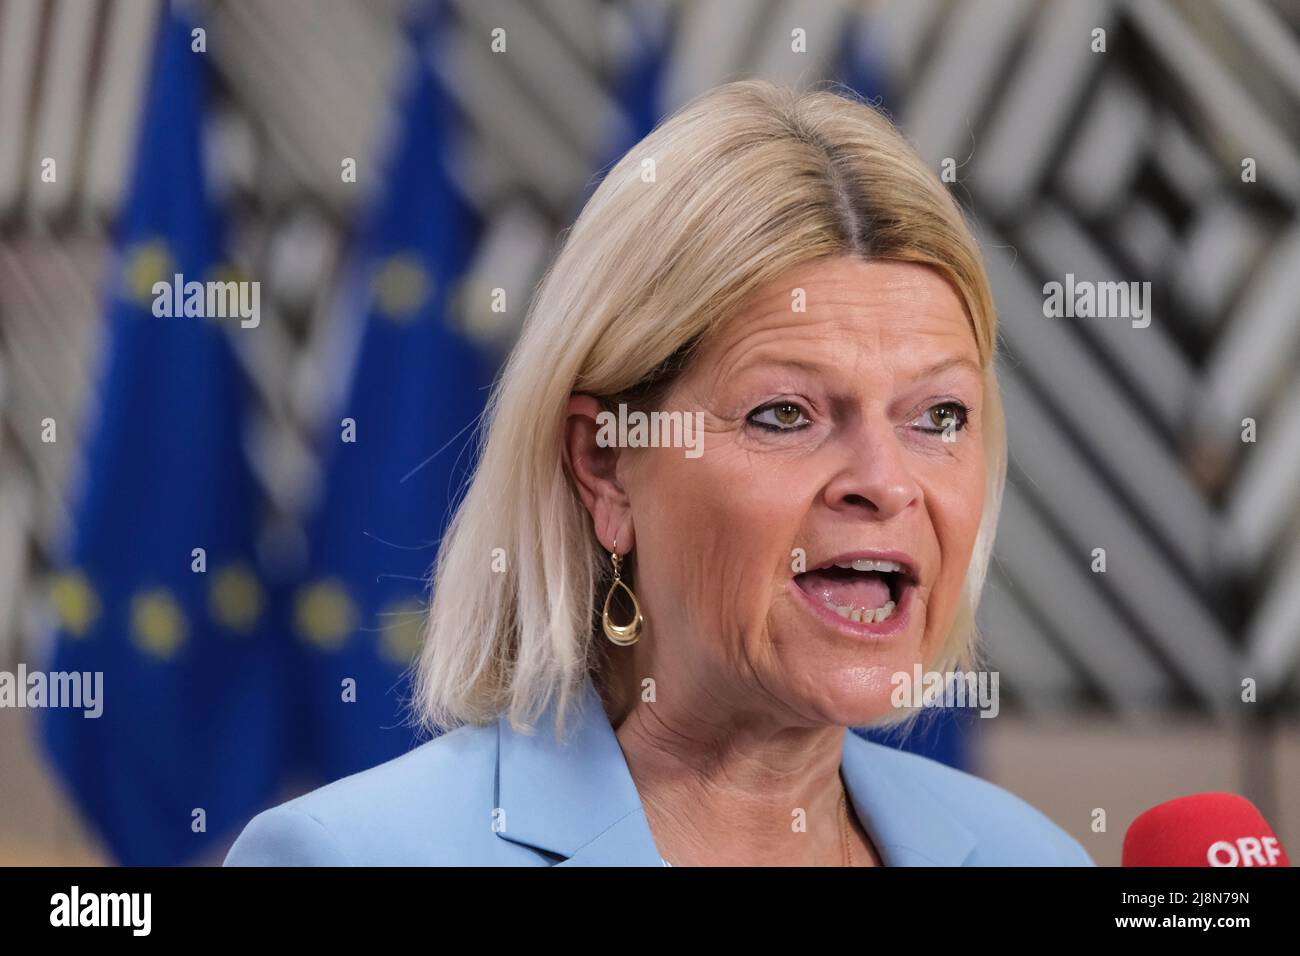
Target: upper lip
{"type": "Point", "coordinates": [911, 569]}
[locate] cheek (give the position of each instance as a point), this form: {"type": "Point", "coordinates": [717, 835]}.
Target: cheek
{"type": "Point", "coordinates": [955, 503]}
{"type": "Point", "coordinates": [716, 527]}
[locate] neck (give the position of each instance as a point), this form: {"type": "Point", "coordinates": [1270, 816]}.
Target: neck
{"type": "Point", "coordinates": [727, 786]}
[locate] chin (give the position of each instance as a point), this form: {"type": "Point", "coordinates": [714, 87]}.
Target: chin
{"type": "Point", "coordinates": [842, 672]}
{"type": "Point", "coordinates": [849, 696]}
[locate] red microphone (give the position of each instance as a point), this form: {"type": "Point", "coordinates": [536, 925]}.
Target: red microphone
{"type": "Point", "coordinates": [1205, 829]}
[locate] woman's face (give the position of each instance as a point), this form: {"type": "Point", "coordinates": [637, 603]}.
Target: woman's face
{"type": "Point", "coordinates": [841, 425]}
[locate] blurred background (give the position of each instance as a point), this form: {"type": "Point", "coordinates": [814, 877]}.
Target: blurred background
{"type": "Point", "coordinates": [232, 520]}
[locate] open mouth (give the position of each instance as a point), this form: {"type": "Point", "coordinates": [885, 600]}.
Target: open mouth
{"type": "Point", "coordinates": [863, 590]}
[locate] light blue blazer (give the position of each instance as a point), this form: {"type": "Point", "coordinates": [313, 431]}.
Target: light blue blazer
{"type": "Point", "coordinates": [490, 796]}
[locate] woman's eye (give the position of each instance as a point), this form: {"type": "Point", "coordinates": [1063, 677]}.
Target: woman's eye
{"type": "Point", "coordinates": [779, 417]}
{"type": "Point", "coordinates": [944, 418]}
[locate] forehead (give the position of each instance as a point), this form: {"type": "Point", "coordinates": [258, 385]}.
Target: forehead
{"type": "Point", "coordinates": [880, 305]}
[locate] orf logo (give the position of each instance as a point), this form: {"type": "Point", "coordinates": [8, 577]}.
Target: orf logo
{"type": "Point", "coordinates": [1244, 851]}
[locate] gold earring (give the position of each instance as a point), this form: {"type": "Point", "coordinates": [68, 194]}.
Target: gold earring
{"type": "Point", "coordinates": [621, 634]}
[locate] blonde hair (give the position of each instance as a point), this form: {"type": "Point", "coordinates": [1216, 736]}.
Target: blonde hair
{"type": "Point", "coordinates": [738, 187]}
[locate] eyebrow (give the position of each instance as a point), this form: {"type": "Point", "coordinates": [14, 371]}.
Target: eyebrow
{"type": "Point", "coordinates": [956, 361]}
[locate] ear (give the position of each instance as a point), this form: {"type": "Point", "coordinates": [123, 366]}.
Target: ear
{"type": "Point", "coordinates": [593, 466]}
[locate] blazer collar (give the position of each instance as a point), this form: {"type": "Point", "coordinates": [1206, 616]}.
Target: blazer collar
{"type": "Point", "coordinates": [907, 823]}
{"type": "Point", "coordinates": [575, 799]}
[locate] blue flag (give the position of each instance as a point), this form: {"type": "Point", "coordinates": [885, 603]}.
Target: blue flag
{"type": "Point", "coordinates": [161, 593]}
{"type": "Point", "coordinates": [398, 453]}
{"type": "Point", "coordinates": [638, 90]}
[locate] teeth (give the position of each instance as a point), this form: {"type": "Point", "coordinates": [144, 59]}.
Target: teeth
{"type": "Point", "coordinates": [867, 564]}
{"type": "Point", "coordinates": [864, 615]}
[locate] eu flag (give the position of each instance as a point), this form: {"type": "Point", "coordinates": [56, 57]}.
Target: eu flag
{"type": "Point", "coordinates": [398, 452]}
{"type": "Point", "coordinates": [638, 90]}
{"type": "Point", "coordinates": [161, 592]}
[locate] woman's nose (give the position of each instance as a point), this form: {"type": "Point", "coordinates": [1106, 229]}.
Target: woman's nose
{"type": "Point", "coordinates": [873, 474]}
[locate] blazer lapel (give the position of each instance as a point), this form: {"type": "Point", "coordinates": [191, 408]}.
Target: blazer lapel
{"type": "Point", "coordinates": [574, 799]}
{"type": "Point", "coordinates": [627, 843]}
{"type": "Point", "coordinates": [908, 824]}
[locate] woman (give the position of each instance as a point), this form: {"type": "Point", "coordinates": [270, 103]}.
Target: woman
{"type": "Point", "coordinates": [741, 470]}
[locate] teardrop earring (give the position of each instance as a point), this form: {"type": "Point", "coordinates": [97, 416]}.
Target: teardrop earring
{"type": "Point", "coordinates": [627, 634]}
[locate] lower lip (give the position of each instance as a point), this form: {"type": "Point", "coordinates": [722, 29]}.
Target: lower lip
{"type": "Point", "coordinates": [892, 626]}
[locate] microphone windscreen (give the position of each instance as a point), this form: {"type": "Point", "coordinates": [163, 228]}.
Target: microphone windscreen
{"type": "Point", "coordinates": [1205, 829]}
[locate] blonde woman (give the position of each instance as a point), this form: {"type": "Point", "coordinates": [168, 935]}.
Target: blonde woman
{"type": "Point", "coordinates": [742, 469]}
